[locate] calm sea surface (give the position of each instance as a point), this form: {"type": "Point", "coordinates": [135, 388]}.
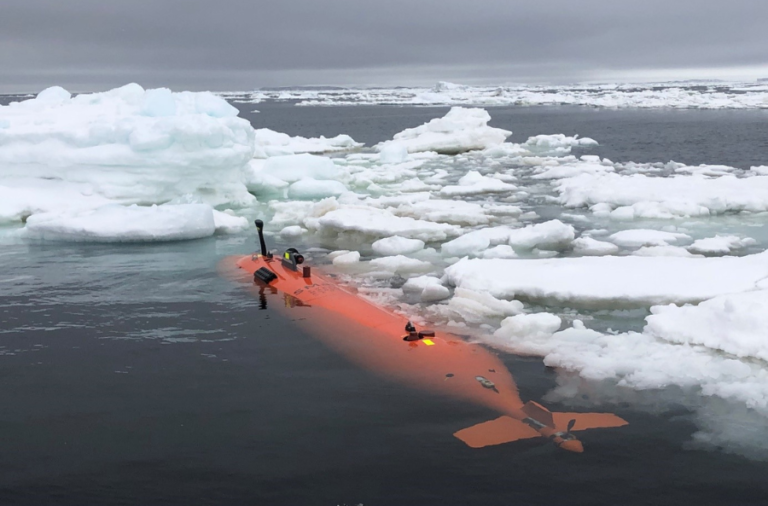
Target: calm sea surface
{"type": "Point", "coordinates": [135, 374]}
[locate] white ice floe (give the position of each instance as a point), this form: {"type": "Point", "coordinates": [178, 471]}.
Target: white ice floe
{"type": "Point", "coordinates": [460, 130]}
{"type": "Point", "coordinates": [474, 183]}
{"type": "Point", "coordinates": [292, 232]}
{"type": "Point", "coordinates": [639, 237]}
{"type": "Point", "coordinates": [641, 196]}
{"type": "Point", "coordinates": [663, 251]}
{"type": "Point", "coordinates": [310, 189]}
{"type": "Point", "coordinates": [720, 244]}
{"type": "Point", "coordinates": [379, 223]}
{"type": "Point", "coordinates": [555, 145]}
{"type": "Point", "coordinates": [116, 223]}
{"type": "Point", "coordinates": [550, 235]}
{"type": "Point", "coordinates": [572, 169]}
{"type": "Point", "coordinates": [528, 326]}
{"type": "Point", "coordinates": [586, 246]}
{"type": "Point", "coordinates": [396, 245]}
{"type": "Point", "coordinates": [129, 145]}
{"type": "Point", "coordinates": [733, 323]}
{"type": "Point", "coordinates": [611, 281]}
{"type": "Point", "coordinates": [479, 306]}
{"type": "Point", "coordinates": [427, 288]}
{"type": "Point", "coordinates": [227, 222]}
{"type": "Point", "coordinates": [344, 258]}
{"type": "Point", "coordinates": [400, 264]}
{"type": "Point", "coordinates": [269, 143]}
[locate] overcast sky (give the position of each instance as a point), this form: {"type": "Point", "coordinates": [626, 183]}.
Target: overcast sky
{"type": "Point", "coordinates": [244, 44]}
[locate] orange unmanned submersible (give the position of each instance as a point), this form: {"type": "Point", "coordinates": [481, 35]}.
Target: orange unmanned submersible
{"type": "Point", "coordinates": [388, 343]}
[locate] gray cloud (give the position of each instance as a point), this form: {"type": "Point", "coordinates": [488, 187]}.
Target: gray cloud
{"type": "Point", "coordinates": [240, 44]}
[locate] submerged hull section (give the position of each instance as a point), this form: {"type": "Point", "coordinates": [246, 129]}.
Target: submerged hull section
{"type": "Point", "coordinates": [386, 342]}
{"type": "Point", "coordinates": [374, 337]}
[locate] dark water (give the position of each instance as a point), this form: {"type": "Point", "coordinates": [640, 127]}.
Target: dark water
{"type": "Point", "coordinates": [730, 137]}
{"type": "Point", "coordinates": [135, 374]}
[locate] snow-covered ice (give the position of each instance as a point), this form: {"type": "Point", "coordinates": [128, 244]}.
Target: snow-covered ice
{"type": "Point", "coordinates": [129, 145]}
{"type": "Point", "coordinates": [116, 223]}
{"type": "Point", "coordinates": [460, 130]}
{"type": "Point", "coordinates": [611, 281]}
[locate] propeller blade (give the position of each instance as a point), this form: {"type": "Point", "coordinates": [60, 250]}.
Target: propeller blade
{"type": "Point", "coordinates": [570, 425]}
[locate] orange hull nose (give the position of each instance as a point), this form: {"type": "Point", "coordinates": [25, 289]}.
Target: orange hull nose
{"type": "Point", "coordinates": [573, 445]}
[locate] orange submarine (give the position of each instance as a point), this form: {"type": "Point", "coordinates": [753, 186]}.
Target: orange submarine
{"type": "Point", "coordinates": [389, 343]}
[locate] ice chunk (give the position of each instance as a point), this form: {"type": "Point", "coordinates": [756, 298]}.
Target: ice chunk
{"type": "Point", "coordinates": [419, 283]}
{"type": "Point", "coordinates": [400, 264]}
{"type": "Point", "coordinates": [479, 306]}
{"type": "Point", "coordinates": [475, 242]}
{"type": "Point", "coordinates": [611, 281]}
{"type": "Point", "coordinates": [434, 293]}
{"type": "Point", "coordinates": [393, 152]}
{"type": "Point", "coordinates": [458, 131]}
{"type": "Point", "coordinates": [525, 326]}
{"type": "Point", "coordinates": [555, 145]}
{"type": "Point", "coordinates": [53, 95]}
{"type": "Point", "coordinates": [292, 232]}
{"type": "Point", "coordinates": [309, 188]}
{"type": "Point", "coordinates": [292, 168]}
{"type": "Point", "coordinates": [663, 251]}
{"type": "Point", "coordinates": [270, 143]}
{"type": "Point", "coordinates": [638, 237]}
{"type": "Point", "coordinates": [733, 323]}
{"type": "Point", "coordinates": [571, 170]}
{"type": "Point", "coordinates": [474, 183]}
{"type": "Point", "coordinates": [346, 258]}
{"type": "Point", "coordinates": [116, 223]}
{"type": "Point", "coordinates": [587, 246]}
{"type": "Point", "coordinates": [380, 223]}
{"type": "Point", "coordinates": [550, 235]}
{"type": "Point", "coordinates": [397, 245]}
{"type": "Point", "coordinates": [666, 197]}
{"type": "Point", "coordinates": [500, 251]}
{"type": "Point", "coordinates": [227, 222]}
{"type": "Point", "coordinates": [720, 244]}
{"type": "Point", "coordinates": [129, 145]}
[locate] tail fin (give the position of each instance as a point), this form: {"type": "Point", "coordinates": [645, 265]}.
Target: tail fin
{"type": "Point", "coordinates": [584, 421]}
{"type": "Point", "coordinates": [499, 431]}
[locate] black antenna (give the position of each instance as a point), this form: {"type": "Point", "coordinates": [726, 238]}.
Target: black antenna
{"type": "Point", "coordinates": [260, 228]}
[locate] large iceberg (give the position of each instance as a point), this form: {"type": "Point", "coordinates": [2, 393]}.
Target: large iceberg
{"type": "Point", "coordinates": [128, 145]}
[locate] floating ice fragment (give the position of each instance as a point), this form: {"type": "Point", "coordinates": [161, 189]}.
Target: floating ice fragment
{"type": "Point", "coordinates": [528, 326]}
{"type": "Point", "coordinates": [720, 244]}
{"type": "Point", "coordinates": [611, 281]}
{"type": "Point", "coordinates": [474, 183]}
{"type": "Point", "coordinates": [397, 245]}
{"type": "Point", "coordinates": [636, 238]}
{"type": "Point", "coordinates": [587, 246]}
{"type": "Point", "coordinates": [116, 223]}
{"type": "Point", "coordinates": [346, 258]}
{"type": "Point", "coordinates": [458, 131]}
{"type": "Point", "coordinates": [308, 188]}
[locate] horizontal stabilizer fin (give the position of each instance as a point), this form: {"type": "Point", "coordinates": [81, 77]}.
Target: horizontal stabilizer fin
{"type": "Point", "coordinates": [586, 421]}
{"type": "Point", "coordinates": [499, 431]}
{"type": "Point", "coordinates": [539, 413]}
